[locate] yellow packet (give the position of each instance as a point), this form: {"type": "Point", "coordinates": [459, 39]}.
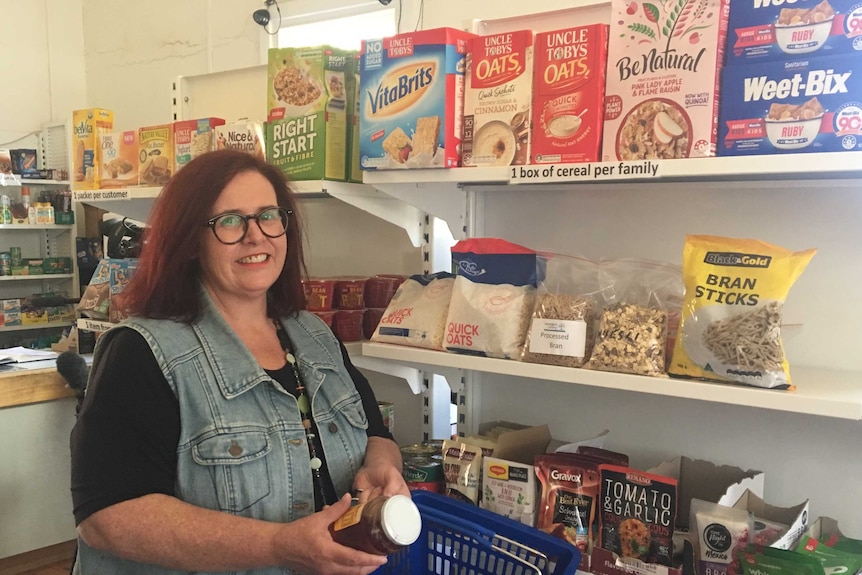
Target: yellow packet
{"type": "Point", "coordinates": [730, 328]}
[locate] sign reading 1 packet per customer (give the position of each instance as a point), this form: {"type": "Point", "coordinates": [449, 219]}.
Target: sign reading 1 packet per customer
{"type": "Point", "coordinates": [308, 94]}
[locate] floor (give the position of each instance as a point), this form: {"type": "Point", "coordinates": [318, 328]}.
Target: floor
{"type": "Point", "coordinates": [54, 560]}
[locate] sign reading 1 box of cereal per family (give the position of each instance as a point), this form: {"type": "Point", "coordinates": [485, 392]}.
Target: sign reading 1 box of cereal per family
{"type": "Point", "coordinates": [661, 98]}
{"type": "Point", "coordinates": [308, 95]}
{"type": "Point", "coordinates": [569, 91]}
{"type": "Point", "coordinates": [497, 99]}
{"type": "Point", "coordinates": [412, 100]}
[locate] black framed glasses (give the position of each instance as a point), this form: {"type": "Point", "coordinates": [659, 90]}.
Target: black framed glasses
{"type": "Point", "coordinates": [231, 228]}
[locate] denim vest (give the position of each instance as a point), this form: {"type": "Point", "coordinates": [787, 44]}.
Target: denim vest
{"type": "Point", "coordinates": [242, 446]}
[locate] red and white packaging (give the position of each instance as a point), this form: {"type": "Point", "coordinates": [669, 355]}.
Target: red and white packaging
{"type": "Point", "coordinates": [661, 99]}
{"type": "Point", "coordinates": [568, 94]}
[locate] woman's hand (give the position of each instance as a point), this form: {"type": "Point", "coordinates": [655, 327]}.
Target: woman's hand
{"type": "Point", "coordinates": [308, 546]}
{"type": "Point", "coordinates": [380, 474]}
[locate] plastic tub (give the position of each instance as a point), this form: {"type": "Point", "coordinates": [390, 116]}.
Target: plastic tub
{"type": "Point", "coordinates": [347, 324]}
{"type": "Point", "coordinates": [380, 289]}
{"type": "Point", "coordinates": [319, 294]}
{"type": "Point", "coordinates": [370, 320]}
{"type": "Point", "coordinates": [350, 293]}
{"type": "Point", "coordinates": [326, 316]}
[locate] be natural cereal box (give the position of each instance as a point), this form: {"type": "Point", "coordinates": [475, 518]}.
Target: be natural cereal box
{"type": "Point", "coordinates": [307, 98]}
{"type": "Point", "coordinates": [86, 153]}
{"type": "Point", "coordinates": [412, 100]}
{"type": "Point", "coordinates": [769, 30]}
{"type": "Point", "coordinates": [664, 59]}
{"type": "Point", "coordinates": [193, 138]}
{"type": "Point", "coordinates": [119, 159]}
{"type": "Point", "coordinates": [155, 154]}
{"type": "Point", "coordinates": [800, 105]}
{"type": "Point", "coordinates": [569, 90]}
{"type": "Point", "coordinates": [497, 99]}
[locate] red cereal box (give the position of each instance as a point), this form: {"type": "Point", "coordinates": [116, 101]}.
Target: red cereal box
{"type": "Point", "coordinates": [568, 101]}
{"type": "Point", "coordinates": [664, 59]}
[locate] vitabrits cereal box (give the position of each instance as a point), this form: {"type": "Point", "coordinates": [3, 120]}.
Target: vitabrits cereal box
{"type": "Point", "coordinates": [769, 30]}
{"type": "Point", "coordinates": [801, 105]}
{"type": "Point", "coordinates": [412, 100]}
{"type": "Point", "coordinates": [569, 91]}
{"type": "Point", "coordinates": [87, 125]}
{"type": "Point", "coordinates": [193, 138]}
{"type": "Point", "coordinates": [306, 131]}
{"type": "Point", "coordinates": [497, 98]}
{"type": "Point", "coordinates": [661, 98]}
{"type": "Point", "coordinates": [119, 159]}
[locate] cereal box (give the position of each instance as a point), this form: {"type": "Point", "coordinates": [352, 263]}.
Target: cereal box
{"type": "Point", "coordinates": [243, 136]}
{"type": "Point", "coordinates": [769, 30]}
{"type": "Point", "coordinates": [155, 154]}
{"type": "Point", "coordinates": [354, 172]}
{"type": "Point", "coordinates": [569, 91]}
{"type": "Point", "coordinates": [306, 131]}
{"type": "Point", "coordinates": [86, 153]}
{"type": "Point", "coordinates": [802, 105]}
{"type": "Point", "coordinates": [119, 159]}
{"type": "Point", "coordinates": [193, 138]}
{"type": "Point", "coordinates": [497, 97]}
{"type": "Point", "coordinates": [412, 100]}
{"type": "Point", "coordinates": [661, 99]}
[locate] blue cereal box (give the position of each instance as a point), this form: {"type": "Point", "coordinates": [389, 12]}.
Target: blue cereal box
{"type": "Point", "coordinates": [769, 30]}
{"type": "Point", "coordinates": [412, 100]}
{"type": "Point", "coordinates": [801, 105]}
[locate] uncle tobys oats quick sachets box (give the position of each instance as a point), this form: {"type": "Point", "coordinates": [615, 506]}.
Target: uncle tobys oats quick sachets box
{"type": "Point", "coordinates": [412, 100]}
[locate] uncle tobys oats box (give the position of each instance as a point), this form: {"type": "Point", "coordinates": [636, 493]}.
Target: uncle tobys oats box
{"type": "Point", "coordinates": [569, 90]}
{"type": "Point", "coordinates": [412, 100]}
{"type": "Point", "coordinates": [661, 98]}
{"type": "Point", "coordinates": [497, 97]}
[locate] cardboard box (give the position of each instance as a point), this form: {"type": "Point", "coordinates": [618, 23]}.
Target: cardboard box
{"type": "Point", "coordinates": [307, 95]}
{"type": "Point", "coordinates": [770, 31]}
{"type": "Point", "coordinates": [413, 100]}
{"type": "Point", "coordinates": [12, 312]}
{"type": "Point", "coordinates": [497, 99]}
{"type": "Point", "coordinates": [796, 517]}
{"type": "Point", "coordinates": [60, 265]}
{"type": "Point", "coordinates": [793, 106]}
{"type": "Point", "coordinates": [697, 478]}
{"type": "Point", "coordinates": [245, 137]}
{"type": "Point", "coordinates": [86, 151]}
{"type": "Point", "coordinates": [569, 94]}
{"type": "Point", "coordinates": [520, 445]}
{"type": "Point", "coordinates": [119, 159]}
{"type": "Point", "coordinates": [193, 138]}
{"type": "Point", "coordinates": [354, 171]}
{"type": "Point", "coordinates": [155, 154]}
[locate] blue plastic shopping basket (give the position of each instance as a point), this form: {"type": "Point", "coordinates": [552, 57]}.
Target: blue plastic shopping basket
{"type": "Point", "coordinates": [462, 539]}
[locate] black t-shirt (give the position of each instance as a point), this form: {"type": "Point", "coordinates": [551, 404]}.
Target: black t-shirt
{"type": "Point", "coordinates": [124, 443]}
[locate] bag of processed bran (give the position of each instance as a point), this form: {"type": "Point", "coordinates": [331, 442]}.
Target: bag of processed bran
{"type": "Point", "coordinates": [730, 328]}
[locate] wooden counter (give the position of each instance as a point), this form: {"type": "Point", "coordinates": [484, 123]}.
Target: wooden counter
{"type": "Point", "coordinates": [25, 387]}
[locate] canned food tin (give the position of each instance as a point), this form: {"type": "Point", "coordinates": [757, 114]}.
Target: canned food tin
{"type": "Point", "coordinates": [5, 264]}
{"type": "Point", "coordinates": [418, 450]}
{"type": "Point", "coordinates": [15, 253]}
{"type": "Point", "coordinates": [424, 474]}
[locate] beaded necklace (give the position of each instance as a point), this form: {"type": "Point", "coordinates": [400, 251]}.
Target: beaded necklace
{"type": "Point", "coordinates": [304, 405]}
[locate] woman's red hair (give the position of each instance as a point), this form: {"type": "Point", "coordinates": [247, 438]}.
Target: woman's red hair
{"type": "Point", "coordinates": [166, 283]}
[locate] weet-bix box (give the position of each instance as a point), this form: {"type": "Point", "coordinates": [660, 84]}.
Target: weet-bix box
{"type": "Point", "coordinates": [768, 30]}
{"type": "Point", "coordinates": [801, 105]}
{"type": "Point", "coordinates": [412, 100]}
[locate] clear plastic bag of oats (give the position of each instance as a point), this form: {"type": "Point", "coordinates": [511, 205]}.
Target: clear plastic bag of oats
{"type": "Point", "coordinates": [632, 335]}
{"type": "Point", "coordinates": [563, 323]}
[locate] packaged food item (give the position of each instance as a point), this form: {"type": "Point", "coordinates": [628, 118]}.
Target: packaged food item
{"type": "Point", "coordinates": [721, 534]}
{"type": "Point", "coordinates": [569, 93]}
{"type": "Point", "coordinates": [380, 289]}
{"type": "Point", "coordinates": [354, 171]}
{"type": "Point", "coordinates": [637, 514]}
{"type": "Point", "coordinates": [412, 100]}
{"type": "Point", "coordinates": [509, 489]}
{"type": "Point", "coordinates": [730, 329]}
{"type": "Point", "coordinates": [24, 162]}
{"type": "Point", "coordinates": [664, 63]}
{"type": "Point", "coordinates": [193, 138]}
{"type": "Point", "coordinates": [371, 320]}
{"type": "Point", "coordinates": [347, 324]}
{"type": "Point", "coordinates": [244, 136]}
{"type": "Point", "coordinates": [86, 154]}
{"type": "Point", "coordinates": [833, 560]}
{"type": "Point", "coordinates": [119, 159]}
{"type": "Point", "coordinates": [497, 98]}
{"type": "Point", "coordinates": [382, 525]}
{"type": "Point", "coordinates": [759, 560]}
{"type": "Point", "coordinates": [155, 154]}
{"type": "Point", "coordinates": [319, 293]}
{"type": "Point", "coordinates": [462, 466]}
{"type": "Point", "coordinates": [416, 315]}
{"type": "Point", "coordinates": [350, 292]}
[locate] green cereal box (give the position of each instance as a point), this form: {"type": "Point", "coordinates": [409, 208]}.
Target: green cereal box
{"type": "Point", "coordinates": [354, 172]}
{"type": "Point", "coordinates": [307, 103]}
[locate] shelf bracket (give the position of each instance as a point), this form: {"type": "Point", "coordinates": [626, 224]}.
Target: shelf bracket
{"type": "Point", "coordinates": [375, 202]}
{"type": "Point", "coordinates": [441, 199]}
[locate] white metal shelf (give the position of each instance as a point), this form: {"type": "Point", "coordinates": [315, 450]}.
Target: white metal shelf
{"type": "Point", "coordinates": [36, 277]}
{"type": "Point", "coordinates": [823, 393]}
{"type": "Point", "coordinates": [31, 227]}
{"type": "Point", "coordinates": [17, 180]}
{"type": "Point", "coordinates": [48, 325]}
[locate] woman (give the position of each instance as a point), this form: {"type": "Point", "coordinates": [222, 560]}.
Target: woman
{"type": "Point", "coordinates": [223, 426]}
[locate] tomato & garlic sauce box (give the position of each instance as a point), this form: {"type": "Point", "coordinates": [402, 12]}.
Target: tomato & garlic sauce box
{"type": "Point", "coordinates": [769, 30]}
{"type": "Point", "coordinates": [568, 101]}
{"type": "Point", "coordinates": [497, 99]}
{"type": "Point", "coordinates": [793, 106]}
{"type": "Point", "coordinates": [412, 100]}
{"type": "Point", "coordinates": [661, 98]}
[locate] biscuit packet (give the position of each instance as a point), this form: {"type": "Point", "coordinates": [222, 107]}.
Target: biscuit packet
{"type": "Point", "coordinates": [730, 328]}
{"type": "Point", "coordinates": [640, 297]}
{"type": "Point", "coordinates": [637, 514]}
